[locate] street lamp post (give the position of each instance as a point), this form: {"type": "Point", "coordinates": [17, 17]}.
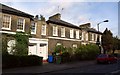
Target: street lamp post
{"type": "Point", "coordinates": [98, 42]}
{"type": "Point", "coordinates": [100, 23]}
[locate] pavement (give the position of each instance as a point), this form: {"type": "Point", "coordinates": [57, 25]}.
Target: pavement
{"type": "Point", "coordinates": [48, 67]}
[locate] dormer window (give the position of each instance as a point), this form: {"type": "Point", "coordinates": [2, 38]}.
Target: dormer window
{"type": "Point", "coordinates": [6, 22]}
{"type": "Point", "coordinates": [21, 24]}
{"type": "Point", "coordinates": [33, 28]}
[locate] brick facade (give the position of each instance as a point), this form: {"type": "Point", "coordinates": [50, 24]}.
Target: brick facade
{"type": "Point", "coordinates": [43, 45]}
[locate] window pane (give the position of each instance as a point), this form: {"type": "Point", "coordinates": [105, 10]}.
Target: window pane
{"type": "Point", "coordinates": [33, 27]}
{"type": "Point", "coordinates": [77, 34]}
{"type": "Point", "coordinates": [20, 24]}
{"type": "Point", "coordinates": [62, 32]}
{"type": "Point", "coordinates": [43, 29]}
{"type": "Point", "coordinates": [55, 33]}
{"type": "Point", "coordinates": [71, 33]}
{"type": "Point", "coordinates": [6, 21]}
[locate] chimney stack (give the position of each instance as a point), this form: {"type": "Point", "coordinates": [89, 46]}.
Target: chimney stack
{"type": "Point", "coordinates": [56, 16]}
{"type": "Point", "coordinates": [87, 25]}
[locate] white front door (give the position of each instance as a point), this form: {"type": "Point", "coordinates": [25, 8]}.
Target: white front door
{"type": "Point", "coordinates": [42, 50]}
{"type": "Point", "coordinates": [32, 50]}
{"type": "Point", "coordinates": [38, 47]}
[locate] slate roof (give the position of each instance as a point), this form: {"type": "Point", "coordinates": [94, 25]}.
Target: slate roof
{"type": "Point", "coordinates": [10, 10]}
{"type": "Point", "coordinates": [91, 30]}
{"type": "Point", "coordinates": [63, 23]}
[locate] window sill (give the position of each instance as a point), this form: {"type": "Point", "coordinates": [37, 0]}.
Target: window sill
{"type": "Point", "coordinates": [63, 36]}
{"type": "Point", "coordinates": [6, 28]}
{"type": "Point", "coordinates": [43, 34]}
{"type": "Point", "coordinates": [33, 33]}
{"type": "Point", "coordinates": [20, 30]}
{"type": "Point", "coordinates": [55, 35]}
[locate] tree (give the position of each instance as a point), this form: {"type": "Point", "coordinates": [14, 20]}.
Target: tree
{"type": "Point", "coordinates": [107, 41]}
{"type": "Point", "coordinates": [21, 46]}
{"type": "Point", "coordinates": [4, 46]}
{"type": "Point", "coordinates": [42, 18]}
{"type": "Point", "coordinates": [115, 43]}
{"type": "Point", "coordinates": [118, 44]}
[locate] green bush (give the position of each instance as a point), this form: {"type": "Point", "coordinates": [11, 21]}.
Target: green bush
{"type": "Point", "coordinates": [83, 52]}
{"type": "Point", "coordinates": [10, 61]}
{"type": "Point", "coordinates": [87, 52]}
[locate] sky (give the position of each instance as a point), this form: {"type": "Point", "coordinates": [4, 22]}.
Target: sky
{"type": "Point", "coordinates": [76, 12]}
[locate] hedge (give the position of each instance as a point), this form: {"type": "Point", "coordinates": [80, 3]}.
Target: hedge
{"type": "Point", "coordinates": [83, 52]}
{"type": "Point", "coordinates": [87, 52]}
{"type": "Point", "coordinates": [11, 61]}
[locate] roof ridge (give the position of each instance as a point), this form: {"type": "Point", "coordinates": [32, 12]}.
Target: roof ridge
{"type": "Point", "coordinates": [4, 7]}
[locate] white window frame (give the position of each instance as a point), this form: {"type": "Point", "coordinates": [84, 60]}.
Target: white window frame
{"type": "Point", "coordinates": [100, 36]}
{"type": "Point", "coordinates": [83, 35]}
{"type": "Point", "coordinates": [58, 44]}
{"type": "Point", "coordinates": [92, 36]}
{"type": "Point", "coordinates": [86, 36]}
{"type": "Point", "coordinates": [9, 23]}
{"type": "Point", "coordinates": [62, 32]}
{"type": "Point", "coordinates": [23, 24]}
{"type": "Point", "coordinates": [55, 30]}
{"type": "Point", "coordinates": [96, 37]}
{"type": "Point", "coordinates": [71, 33]}
{"type": "Point", "coordinates": [43, 32]}
{"type": "Point", "coordinates": [77, 34]}
{"type": "Point", "coordinates": [74, 45]}
{"type": "Point", "coordinates": [35, 28]}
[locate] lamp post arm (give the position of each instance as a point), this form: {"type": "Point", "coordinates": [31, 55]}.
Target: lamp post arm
{"type": "Point", "coordinates": [98, 25]}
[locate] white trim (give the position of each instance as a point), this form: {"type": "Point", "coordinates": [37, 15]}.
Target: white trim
{"type": "Point", "coordinates": [37, 39]}
{"type": "Point", "coordinates": [23, 25]}
{"type": "Point", "coordinates": [9, 24]}
{"type": "Point", "coordinates": [7, 32]}
{"type": "Point", "coordinates": [64, 38]}
{"type": "Point", "coordinates": [5, 28]}
{"type": "Point", "coordinates": [39, 52]}
{"type": "Point", "coordinates": [92, 41]}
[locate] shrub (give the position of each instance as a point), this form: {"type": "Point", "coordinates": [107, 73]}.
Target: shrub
{"type": "Point", "coordinates": [10, 61]}
{"type": "Point", "coordinates": [21, 46]}
{"type": "Point", "coordinates": [59, 49]}
{"type": "Point", "coordinates": [86, 52]}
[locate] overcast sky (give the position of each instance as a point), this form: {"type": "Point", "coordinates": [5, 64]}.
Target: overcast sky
{"type": "Point", "coordinates": [74, 11]}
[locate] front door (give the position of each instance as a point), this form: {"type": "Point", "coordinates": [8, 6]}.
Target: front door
{"type": "Point", "coordinates": [32, 50]}
{"type": "Point", "coordinates": [42, 50]}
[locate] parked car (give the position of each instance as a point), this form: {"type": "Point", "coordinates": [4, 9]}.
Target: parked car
{"type": "Point", "coordinates": [105, 58]}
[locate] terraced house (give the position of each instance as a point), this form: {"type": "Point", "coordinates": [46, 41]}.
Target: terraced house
{"type": "Point", "coordinates": [12, 21]}
{"type": "Point", "coordinates": [45, 35]}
